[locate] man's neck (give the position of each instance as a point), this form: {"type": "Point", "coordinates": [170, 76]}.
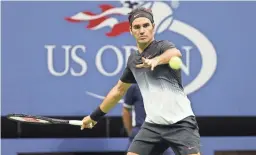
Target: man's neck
{"type": "Point", "coordinates": [142, 47]}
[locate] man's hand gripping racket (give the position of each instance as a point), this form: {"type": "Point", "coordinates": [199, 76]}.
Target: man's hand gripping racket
{"type": "Point", "coordinates": [88, 123]}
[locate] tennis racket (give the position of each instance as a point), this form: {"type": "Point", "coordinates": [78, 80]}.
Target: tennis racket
{"type": "Point", "coordinates": [32, 119]}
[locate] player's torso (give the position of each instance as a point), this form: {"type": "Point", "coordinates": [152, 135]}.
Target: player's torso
{"type": "Point", "coordinates": [160, 79]}
{"type": "Point", "coordinates": [163, 95]}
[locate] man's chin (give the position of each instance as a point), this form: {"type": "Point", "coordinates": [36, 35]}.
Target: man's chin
{"type": "Point", "coordinates": [143, 41]}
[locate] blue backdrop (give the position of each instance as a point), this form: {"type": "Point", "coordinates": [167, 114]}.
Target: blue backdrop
{"type": "Point", "coordinates": [61, 58]}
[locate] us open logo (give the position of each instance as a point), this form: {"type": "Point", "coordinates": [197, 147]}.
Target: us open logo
{"type": "Point", "coordinates": [164, 22]}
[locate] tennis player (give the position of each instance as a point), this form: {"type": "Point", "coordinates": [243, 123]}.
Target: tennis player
{"type": "Point", "coordinates": [170, 121]}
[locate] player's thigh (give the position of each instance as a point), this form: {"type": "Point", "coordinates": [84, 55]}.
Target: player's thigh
{"type": "Point", "coordinates": [186, 144]}
{"type": "Point", "coordinates": [146, 142]}
{"type": "Point", "coordinates": [140, 147]}
{"type": "Point", "coordinates": [189, 144]}
{"type": "Point", "coordinates": [184, 138]}
{"type": "Point", "coordinates": [147, 148]}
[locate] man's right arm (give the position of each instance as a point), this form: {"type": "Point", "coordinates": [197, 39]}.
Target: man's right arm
{"type": "Point", "coordinates": [112, 98]}
{"type": "Point", "coordinates": [115, 94]}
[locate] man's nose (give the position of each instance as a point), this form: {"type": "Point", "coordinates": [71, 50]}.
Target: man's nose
{"type": "Point", "coordinates": [142, 30]}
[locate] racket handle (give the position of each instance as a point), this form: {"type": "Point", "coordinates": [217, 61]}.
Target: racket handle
{"type": "Point", "coordinates": [75, 122]}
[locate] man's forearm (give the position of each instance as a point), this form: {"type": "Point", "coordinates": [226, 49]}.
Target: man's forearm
{"type": "Point", "coordinates": [111, 100]}
{"type": "Point", "coordinates": [115, 94]}
{"type": "Point", "coordinates": [166, 56]}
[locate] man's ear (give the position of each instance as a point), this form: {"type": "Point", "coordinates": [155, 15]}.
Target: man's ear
{"type": "Point", "coordinates": [130, 30]}
{"type": "Point", "coordinates": [154, 27]}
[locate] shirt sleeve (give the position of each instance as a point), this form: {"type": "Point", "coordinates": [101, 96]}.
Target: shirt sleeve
{"type": "Point", "coordinates": [127, 76]}
{"type": "Point", "coordinates": [128, 98]}
{"type": "Point", "coordinates": [165, 45]}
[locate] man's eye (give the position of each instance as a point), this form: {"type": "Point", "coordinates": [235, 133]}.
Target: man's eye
{"type": "Point", "coordinates": [145, 25]}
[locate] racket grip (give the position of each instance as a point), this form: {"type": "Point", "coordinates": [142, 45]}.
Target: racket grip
{"type": "Point", "coordinates": [76, 122]}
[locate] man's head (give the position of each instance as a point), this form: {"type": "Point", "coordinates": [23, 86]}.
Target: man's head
{"type": "Point", "coordinates": [142, 25]}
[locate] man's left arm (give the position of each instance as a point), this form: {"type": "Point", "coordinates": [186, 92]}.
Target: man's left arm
{"type": "Point", "coordinates": [167, 55]}
{"type": "Point", "coordinates": [167, 50]}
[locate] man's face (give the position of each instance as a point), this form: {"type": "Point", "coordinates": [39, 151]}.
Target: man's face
{"type": "Point", "coordinates": [142, 29]}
